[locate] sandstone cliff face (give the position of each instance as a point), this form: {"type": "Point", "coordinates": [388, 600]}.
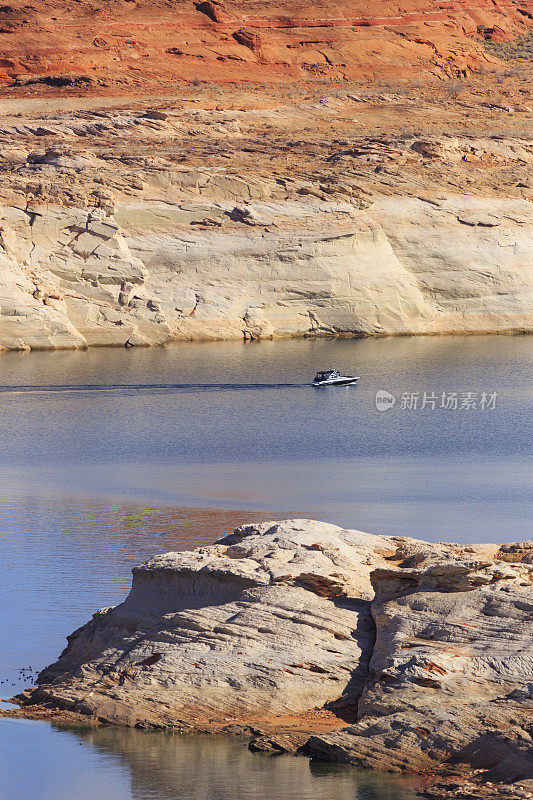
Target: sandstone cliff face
{"type": "Point", "coordinates": [72, 278]}
{"type": "Point", "coordinates": [300, 624]}
{"type": "Point", "coordinates": [138, 227]}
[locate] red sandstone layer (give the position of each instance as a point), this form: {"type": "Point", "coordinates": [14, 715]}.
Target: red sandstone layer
{"type": "Point", "coordinates": [156, 44]}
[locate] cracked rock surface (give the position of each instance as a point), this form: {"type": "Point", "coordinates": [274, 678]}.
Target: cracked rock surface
{"type": "Point", "coordinates": [273, 620]}
{"type": "Point", "coordinates": [292, 628]}
{"type": "Point", "coordinates": [449, 680]}
{"type": "Point", "coordinates": [127, 226]}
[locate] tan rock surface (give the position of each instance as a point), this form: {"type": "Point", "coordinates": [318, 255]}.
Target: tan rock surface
{"type": "Point", "coordinates": [213, 170]}
{"type": "Point", "coordinates": [371, 236]}
{"type": "Point", "coordinates": [295, 626]}
{"type": "Point", "coordinates": [269, 622]}
{"type": "Point", "coordinates": [449, 680]}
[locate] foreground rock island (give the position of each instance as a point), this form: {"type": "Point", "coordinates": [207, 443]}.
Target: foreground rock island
{"type": "Point", "coordinates": [383, 652]}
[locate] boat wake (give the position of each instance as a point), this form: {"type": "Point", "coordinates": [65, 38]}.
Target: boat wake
{"type": "Point", "coordinates": [143, 387]}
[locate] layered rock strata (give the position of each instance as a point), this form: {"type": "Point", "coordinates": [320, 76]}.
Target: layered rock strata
{"type": "Point", "coordinates": [449, 679]}
{"type": "Point", "coordinates": [138, 226]}
{"type": "Point", "coordinates": [300, 625]}
{"type": "Point", "coordinates": [273, 620]}
{"type": "Point", "coordinates": [149, 45]}
{"type": "Point", "coordinates": [72, 278]}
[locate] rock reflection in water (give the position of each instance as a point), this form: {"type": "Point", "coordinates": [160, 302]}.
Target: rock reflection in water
{"type": "Point", "coordinates": [170, 767]}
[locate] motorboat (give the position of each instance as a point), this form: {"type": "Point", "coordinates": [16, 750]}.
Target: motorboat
{"type": "Point", "coordinates": [332, 377]}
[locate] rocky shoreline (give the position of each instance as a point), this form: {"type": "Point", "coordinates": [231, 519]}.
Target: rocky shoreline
{"type": "Point", "coordinates": [387, 653]}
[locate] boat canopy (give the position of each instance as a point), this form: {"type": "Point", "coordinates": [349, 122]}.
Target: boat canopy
{"type": "Point", "coordinates": [327, 373]}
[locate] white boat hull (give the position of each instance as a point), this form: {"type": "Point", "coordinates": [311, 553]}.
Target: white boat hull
{"type": "Point", "coordinates": [342, 381]}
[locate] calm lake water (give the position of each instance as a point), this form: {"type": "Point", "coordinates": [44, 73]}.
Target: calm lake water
{"type": "Point", "coordinates": [111, 764]}
{"type": "Point", "coordinates": [110, 456]}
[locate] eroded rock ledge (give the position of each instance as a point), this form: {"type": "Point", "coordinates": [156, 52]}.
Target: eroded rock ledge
{"type": "Point", "coordinates": [139, 227]}
{"type": "Point", "coordinates": [294, 628]}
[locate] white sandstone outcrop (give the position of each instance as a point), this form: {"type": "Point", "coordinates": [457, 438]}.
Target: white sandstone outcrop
{"type": "Point", "coordinates": [143, 275]}
{"type": "Point", "coordinates": [300, 626]}
{"type": "Point", "coordinates": [274, 619]}
{"type": "Point", "coordinates": [449, 685]}
{"type": "Point", "coordinates": [130, 226]}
